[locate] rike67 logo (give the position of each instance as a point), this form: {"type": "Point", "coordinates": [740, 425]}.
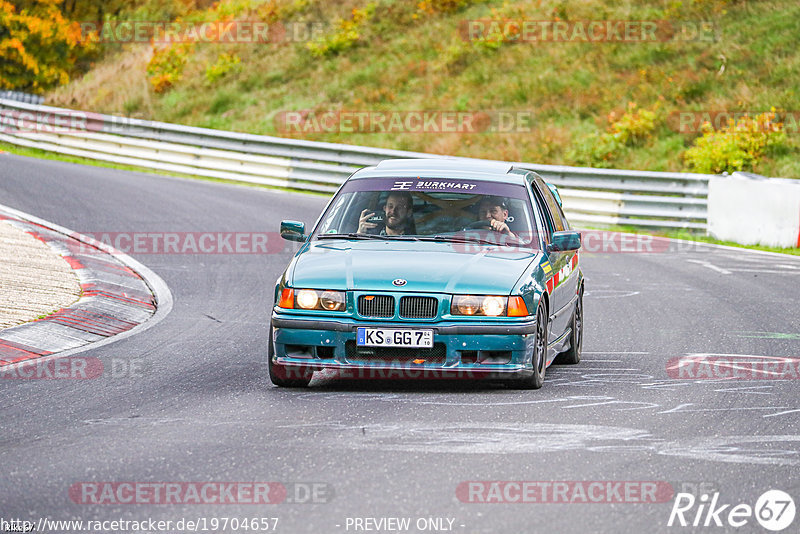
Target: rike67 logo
{"type": "Point", "coordinates": [774, 510]}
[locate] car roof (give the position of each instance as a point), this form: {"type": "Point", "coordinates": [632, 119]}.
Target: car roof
{"type": "Point", "coordinates": [443, 168]}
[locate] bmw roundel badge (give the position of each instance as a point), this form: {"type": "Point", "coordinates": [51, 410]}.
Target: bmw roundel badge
{"type": "Point", "coordinates": [399, 282]}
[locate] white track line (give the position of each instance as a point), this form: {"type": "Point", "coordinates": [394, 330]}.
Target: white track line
{"type": "Point", "coordinates": [611, 352]}
{"type": "Point", "coordinates": [710, 266]}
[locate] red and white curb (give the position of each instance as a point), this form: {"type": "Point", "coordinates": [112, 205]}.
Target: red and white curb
{"type": "Point", "coordinates": [120, 297]}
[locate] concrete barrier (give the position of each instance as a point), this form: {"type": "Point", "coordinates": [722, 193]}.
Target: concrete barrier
{"type": "Point", "coordinates": [754, 210]}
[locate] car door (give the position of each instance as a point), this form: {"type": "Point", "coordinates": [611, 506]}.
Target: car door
{"type": "Point", "coordinates": [563, 285]}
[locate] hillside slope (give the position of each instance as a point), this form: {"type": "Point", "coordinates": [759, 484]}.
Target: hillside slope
{"type": "Point", "coordinates": [614, 104]}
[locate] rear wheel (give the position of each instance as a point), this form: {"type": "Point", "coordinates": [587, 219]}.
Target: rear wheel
{"type": "Point", "coordinates": [539, 355]}
{"type": "Point", "coordinates": [573, 355]}
{"type": "Point", "coordinates": [285, 376]}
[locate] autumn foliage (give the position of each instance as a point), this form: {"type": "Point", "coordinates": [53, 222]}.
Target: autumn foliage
{"type": "Point", "coordinates": [38, 46]}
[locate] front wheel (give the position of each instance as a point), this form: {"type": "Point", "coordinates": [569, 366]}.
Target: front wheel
{"type": "Point", "coordinates": [282, 375]}
{"type": "Point", "coordinates": [539, 356]}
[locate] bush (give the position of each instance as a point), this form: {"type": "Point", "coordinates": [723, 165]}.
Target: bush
{"type": "Point", "coordinates": [346, 34]}
{"type": "Point", "coordinates": [431, 7]}
{"type": "Point", "coordinates": [595, 150]}
{"type": "Point", "coordinates": [633, 128]}
{"type": "Point", "coordinates": [737, 146]}
{"type": "Point", "coordinates": [153, 10]}
{"type": "Point", "coordinates": [166, 66]}
{"type": "Point", "coordinates": [501, 33]}
{"type": "Point", "coordinates": [225, 64]}
{"type": "Point", "coordinates": [272, 11]}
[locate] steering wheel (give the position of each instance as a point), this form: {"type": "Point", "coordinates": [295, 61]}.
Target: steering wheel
{"type": "Point", "coordinates": [479, 225]}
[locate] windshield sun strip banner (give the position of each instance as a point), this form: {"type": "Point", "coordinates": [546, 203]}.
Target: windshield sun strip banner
{"type": "Point", "coordinates": [428, 185]}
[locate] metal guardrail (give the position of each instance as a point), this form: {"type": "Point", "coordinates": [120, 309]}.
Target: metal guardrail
{"type": "Point", "coordinates": [591, 196]}
{"type": "Point", "coordinates": [21, 97]}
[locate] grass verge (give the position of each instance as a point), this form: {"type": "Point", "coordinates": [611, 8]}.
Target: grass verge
{"type": "Point", "coordinates": [575, 102]}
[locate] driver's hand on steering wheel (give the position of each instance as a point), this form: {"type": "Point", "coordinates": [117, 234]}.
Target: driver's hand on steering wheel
{"type": "Point", "coordinates": [499, 226]}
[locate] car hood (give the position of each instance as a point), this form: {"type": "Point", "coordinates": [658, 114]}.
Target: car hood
{"type": "Point", "coordinates": [426, 266]}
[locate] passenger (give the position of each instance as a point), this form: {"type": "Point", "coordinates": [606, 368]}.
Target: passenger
{"type": "Point", "coordinates": [398, 212]}
{"type": "Point", "coordinates": [495, 211]}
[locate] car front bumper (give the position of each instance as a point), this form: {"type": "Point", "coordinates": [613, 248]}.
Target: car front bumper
{"type": "Point", "coordinates": [461, 349]}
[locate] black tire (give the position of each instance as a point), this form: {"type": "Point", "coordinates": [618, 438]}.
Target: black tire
{"type": "Point", "coordinates": [539, 355]}
{"type": "Point", "coordinates": [572, 356]}
{"type": "Point", "coordinates": [285, 376]}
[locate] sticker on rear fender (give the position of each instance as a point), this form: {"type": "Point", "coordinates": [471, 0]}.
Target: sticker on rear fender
{"type": "Point", "coordinates": [392, 337]}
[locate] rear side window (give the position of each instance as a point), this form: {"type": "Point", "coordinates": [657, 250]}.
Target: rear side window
{"type": "Point", "coordinates": [541, 209]}
{"type": "Point", "coordinates": [559, 223]}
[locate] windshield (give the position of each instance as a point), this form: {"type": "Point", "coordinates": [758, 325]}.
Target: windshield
{"type": "Point", "coordinates": [431, 209]}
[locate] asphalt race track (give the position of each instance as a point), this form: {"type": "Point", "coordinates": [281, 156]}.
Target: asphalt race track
{"type": "Point", "coordinates": [200, 406]}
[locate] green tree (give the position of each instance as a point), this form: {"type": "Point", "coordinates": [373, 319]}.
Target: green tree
{"type": "Point", "coordinates": [38, 45]}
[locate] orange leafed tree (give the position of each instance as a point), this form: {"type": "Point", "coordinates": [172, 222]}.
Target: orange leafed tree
{"type": "Point", "coordinates": [38, 46]}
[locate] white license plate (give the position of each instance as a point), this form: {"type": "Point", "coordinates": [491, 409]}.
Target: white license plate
{"type": "Point", "coordinates": [391, 337]}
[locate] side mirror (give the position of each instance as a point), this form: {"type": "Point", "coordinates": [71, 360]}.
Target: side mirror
{"type": "Point", "coordinates": [555, 193]}
{"type": "Point", "coordinates": [293, 230]}
{"type": "Point", "coordinates": [565, 241]}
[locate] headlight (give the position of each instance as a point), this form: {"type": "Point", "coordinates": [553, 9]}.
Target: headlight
{"type": "Point", "coordinates": [467, 304]}
{"type": "Point", "coordinates": [494, 306]}
{"type": "Point", "coordinates": [307, 299]}
{"type": "Point", "coordinates": [332, 300]}
{"type": "Point", "coordinates": [490, 305]}
{"type": "Point", "coordinates": [312, 299]}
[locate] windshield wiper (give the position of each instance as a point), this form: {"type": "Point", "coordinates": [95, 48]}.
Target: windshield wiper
{"type": "Point", "coordinates": [435, 238]}
{"type": "Point", "coordinates": [457, 239]}
{"type": "Point", "coordinates": [351, 235]}
{"type": "Point", "coordinates": [466, 239]}
{"type": "Point", "coordinates": [400, 237]}
{"type": "Point", "coordinates": [354, 235]}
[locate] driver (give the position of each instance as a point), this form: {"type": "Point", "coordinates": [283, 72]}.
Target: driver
{"type": "Point", "coordinates": [398, 215]}
{"type": "Point", "coordinates": [495, 212]}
